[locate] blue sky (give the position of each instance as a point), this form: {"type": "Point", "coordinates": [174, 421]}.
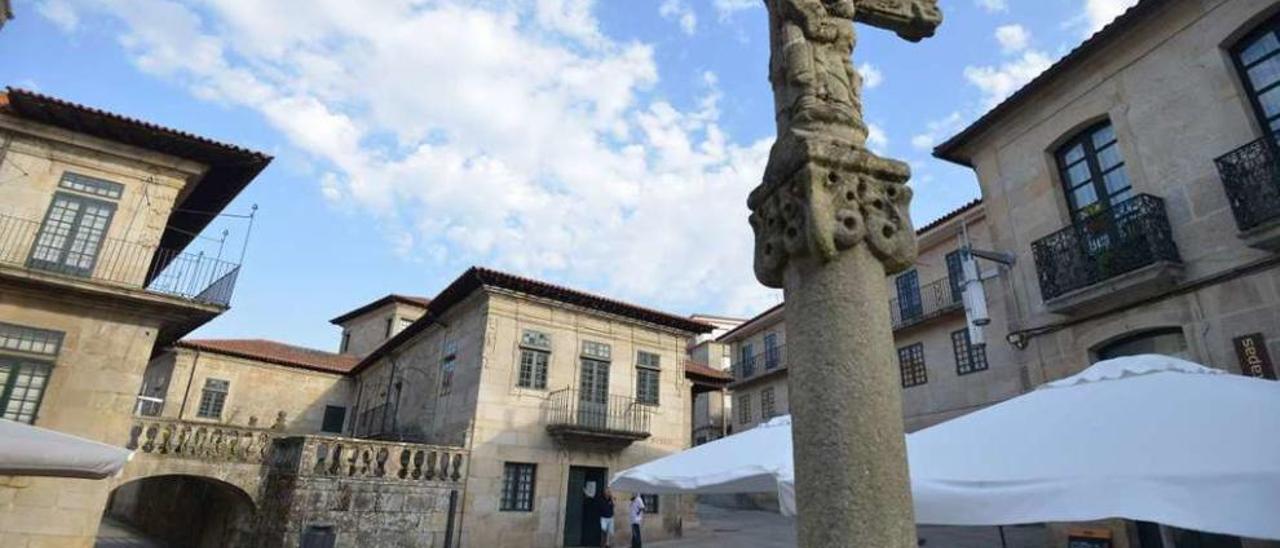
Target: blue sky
{"type": "Point", "coordinates": [605, 145]}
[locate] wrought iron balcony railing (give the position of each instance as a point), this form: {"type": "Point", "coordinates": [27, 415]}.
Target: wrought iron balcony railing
{"type": "Point", "coordinates": [1130, 235]}
{"type": "Point", "coordinates": [194, 277]}
{"type": "Point", "coordinates": [772, 358]}
{"type": "Point", "coordinates": [1251, 177]}
{"type": "Point", "coordinates": [571, 410]}
{"type": "Point", "coordinates": [929, 301]}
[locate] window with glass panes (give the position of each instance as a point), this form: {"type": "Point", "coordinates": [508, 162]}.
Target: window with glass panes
{"type": "Point", "coordinates": [650, 503]}
{"type": "Point", "coordinates": [955, 275]}
{"type": "Point", "coordinates": [747, 364]}
{"type": "Point", "coordinates": [772, 356]}
{"type": "Point", "coordinates": [29, 340]}
{"type": "Point", "coordinates": [212, 398]}
{"type": "Point", "coordinates": [743, 403]}
{"type": "Point", "coordinates": [767, 408]}
{"type": "Point", "coordinates": [535, 358]}
{"type": "Point", "coordinates": [911, 364]}
{"type": "Point", "coordinates": [517, 486]}
{"type": "Point", "coordinates": [969, 358]}
{"type": "Point", "coordinates": [1257, 57]}
{"type": "Point", "coordinates": [71, 234]}
{"type": "Point", "coordinates": [1092, 171]}
{"type": "Point", "coordinates": [648, 366]}
{"type": "Point", "coordinates": [22, 386]}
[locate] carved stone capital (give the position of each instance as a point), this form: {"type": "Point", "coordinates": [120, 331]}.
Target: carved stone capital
{"type": "Point", "coordinates": [822, 196]}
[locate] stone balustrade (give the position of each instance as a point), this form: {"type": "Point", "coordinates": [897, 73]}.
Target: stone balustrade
{"type": "Point", "coordinates": [192, 440]}
{"type": "Point", "coordinates": [310, 455]}
{"type": "Point", "coordinates": [328, 456]}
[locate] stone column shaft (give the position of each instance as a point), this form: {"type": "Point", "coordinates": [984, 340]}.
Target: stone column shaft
{"type": "Point", "coordinates": [846, 405]}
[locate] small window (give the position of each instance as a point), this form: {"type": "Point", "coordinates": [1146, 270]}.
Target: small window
{"type": "Point", "coordinates": [447, 366]}
{"type": "Point", "coordinates": [91, 185]}
{"type": "Point", "coordinates": [911, 364]}
{"type": "Point", "coordinates": [334, 417]}
{"type": "Point", "coordinates": [22, 385]}
{"type": "Point", "coordinates": [1092, 171]}
{"type": "Point", "coordinates": [535, 339]}
{"type": "Point", "coordinates": [650, 503]}
{"type": "Point", "coordinates": [29, 339]}
{"type": "Point", "coordinates": [910, 306]}
{"type": "Point", "coordinates": [319, 536]}
{"type": "Point", "coordinates": [533, 368]}
{"type": "Point", "coordinates": [647, 385]}
{"type": "Point", "coordinates": [767, 406]}
{"type": "Point", "coordinates": [969, 358]}
{"type": "Point", "coordinates": [402, 323]}
{"type": "Point", "coordinates": [391, 325]}
{"type": "Point", "coordinates": [346, 342]}
{"type": "Point", "coordinates": [747, 366]}
{"type": "Point", "coordinates": [595, 350]}
{"type": "Point", "coordinates": [517, 486]}
{"type": "Point", "coordinates": [213, 398]}
{"type": "Point", "coordinates": [743, 403]}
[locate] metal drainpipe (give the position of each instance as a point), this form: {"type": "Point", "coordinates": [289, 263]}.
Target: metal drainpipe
{"type": "Point", "coordinates": [182, 409]}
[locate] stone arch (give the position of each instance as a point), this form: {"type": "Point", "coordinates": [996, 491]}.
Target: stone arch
{"type": "Point", "coordinates": [185, 510]}
{"type": "Point", "coordinates": [1170, 340]}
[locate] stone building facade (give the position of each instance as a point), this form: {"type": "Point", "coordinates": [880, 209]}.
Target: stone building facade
{"type": "Point", "coordinates": [1137, 182]}
{"type": "Point", "coordinates": [550, 390]}
{"type": "Point", "coordinates": [943, 373]}
{"type": "Point", "coordinates": [95, 273]}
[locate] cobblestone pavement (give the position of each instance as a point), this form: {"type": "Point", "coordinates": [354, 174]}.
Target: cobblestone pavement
{"type": "Point", "coordinates": [721, 527]}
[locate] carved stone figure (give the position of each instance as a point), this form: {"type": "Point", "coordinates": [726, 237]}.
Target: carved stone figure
{"type": "Point", "coordinates": [831, 221]}
{"type": "Point", "coordinates": [822, 190]}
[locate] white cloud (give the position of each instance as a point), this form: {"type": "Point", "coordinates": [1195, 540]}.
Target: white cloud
{"type": "Point", "coordinates": [877, 139]}
{"type": "Point", "coordinates": [937, 130]}
{"type": "Point", "coordinates": [998, 82]}
{"type": "Point", "coordinates": [60, 13]}
{"type": "Point", "coordinates": [678, 11]}
{"type": "Point", "coordinates": [993, 6]}
{"type": "Point", "coordinates": [1097, 13]}
{"type": "Point", "coordinates": [727, 8]}
{"type": "Point", "coordinates": [871, 75]}
{"type": "Point", "coordinates": [1013, 38]}
{"type": "Point", "coordinates": [515, 135]}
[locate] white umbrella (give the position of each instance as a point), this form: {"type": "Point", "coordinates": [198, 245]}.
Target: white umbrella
{"type": "Point", "coordinates": [32, 451]}
{"type": "Point", "coordinates": [1151, 438]}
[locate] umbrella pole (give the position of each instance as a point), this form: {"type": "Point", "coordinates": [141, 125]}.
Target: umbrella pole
{"type": "Point", "coordinates": [1003, 543]}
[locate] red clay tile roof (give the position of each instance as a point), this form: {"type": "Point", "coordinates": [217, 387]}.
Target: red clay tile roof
{"type": "Point", "coordinates": [276, 353]}
{"type": "Point", "coordinates": [948, 216]}
{"type": "Point", "coordinates": [478, 278]}
{"type": "Point", "coordinates": [394, 297]}
{"type": "Point", "coordinates": [949, 150]}
{"type": "Point", "coordinates": [231, 167]}
{"type": "Point", "coordinates": [695, 369]}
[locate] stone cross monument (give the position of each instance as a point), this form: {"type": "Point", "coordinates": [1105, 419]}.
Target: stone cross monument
{"type": "Point", "coordinates": [831, 221]}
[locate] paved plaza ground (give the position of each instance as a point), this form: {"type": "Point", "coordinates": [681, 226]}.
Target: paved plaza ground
{"type": "Point", "coordinates": [721, 527]}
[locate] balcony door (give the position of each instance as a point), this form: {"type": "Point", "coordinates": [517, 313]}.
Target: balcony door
{"type": "Point", "coordinates": [909, 304]}
{"type": "Point", "coordinates": [593, 394]}
{"type": "Point", "coordinates": [71, 235]}
{"type": "Point", "coordinates": [1257, 58]}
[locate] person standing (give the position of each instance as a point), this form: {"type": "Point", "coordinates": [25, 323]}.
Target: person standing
{"type": "Point", "coordinates": [637, 518]}
{"type": "Point", "coordinates": [605, 504]}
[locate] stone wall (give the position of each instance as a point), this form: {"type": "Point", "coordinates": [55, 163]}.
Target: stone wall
{"type": "Point", "coordinates": [258, 391]}
{"type": "Point", "coordinates": [367, 493]}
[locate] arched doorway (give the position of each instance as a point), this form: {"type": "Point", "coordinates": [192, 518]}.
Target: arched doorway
{"type": "Point", "coordinates": [178, 510]}
{"type": "Point", "coordinates": [1168, 341]}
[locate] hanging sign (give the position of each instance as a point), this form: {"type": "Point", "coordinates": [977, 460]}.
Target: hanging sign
{"type": "Point", "coordinates": [1255, 361]}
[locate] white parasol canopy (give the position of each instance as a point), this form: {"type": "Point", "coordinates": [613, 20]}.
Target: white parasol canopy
{"type": "Point", "coordinates": [32, 451]}
{"type": "Point", "coordinates": [1150, 438]}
